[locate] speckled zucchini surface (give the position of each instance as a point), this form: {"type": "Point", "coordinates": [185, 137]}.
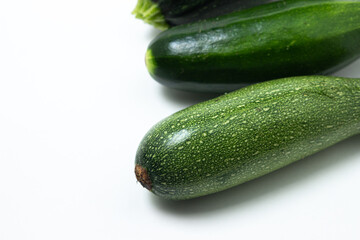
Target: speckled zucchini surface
{"type": "Point", "coordinates": [276, 40]}
{"type": "Point", "coordinates": [232, 139]}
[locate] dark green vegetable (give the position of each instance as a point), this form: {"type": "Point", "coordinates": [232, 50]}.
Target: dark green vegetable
{"type": "Point", "coordinates": [166, 13]}
{"type": "Point", "coordinates": [276, 40]}
{"type": "Point", "coordinates": [221, 143]}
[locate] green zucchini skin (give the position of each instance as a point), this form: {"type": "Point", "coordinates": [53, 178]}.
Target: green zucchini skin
{"type": "Point", "coordinates": [240, 136]}
{"type": "Point", "coordinates": [178, 12]}
{"type": "Point", "coordinates": [272, 41]}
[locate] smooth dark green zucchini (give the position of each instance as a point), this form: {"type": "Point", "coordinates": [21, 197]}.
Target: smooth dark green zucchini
{"type": "Point", "coordinates": [276, 40]}
{"type": "Point", "coordinates": [167, 13]}
{"type": "Point", "coordinates": [237, 137]}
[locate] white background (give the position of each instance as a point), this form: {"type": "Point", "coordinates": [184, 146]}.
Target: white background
{"type": "Point", "coordinates": [75, 101]}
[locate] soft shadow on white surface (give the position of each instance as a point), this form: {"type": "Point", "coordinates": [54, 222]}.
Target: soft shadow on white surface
{"type": "Point", "coordinates": [151, 33]}
{"type": "Point", "coordinates": [273, 183]}
{"type": "Point", "coordinates": [186, 98]}
{"type": "Point", "coordinates": [352, 70]}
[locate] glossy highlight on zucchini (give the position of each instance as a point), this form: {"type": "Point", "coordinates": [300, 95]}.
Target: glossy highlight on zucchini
{"type": "Point", "coordinates": [240, 136]}
{"type": "Point", "coordinates": [168, 13]}
{"type": "Point", "coordinates": [276, 40]}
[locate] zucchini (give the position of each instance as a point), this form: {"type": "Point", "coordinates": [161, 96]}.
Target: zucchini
{"type": "Point", "coordinates": [243, 135]}
{"type": "Point", "coordinates": [167, 13]}
{"type": "Point", "coordinates": [272, 41]}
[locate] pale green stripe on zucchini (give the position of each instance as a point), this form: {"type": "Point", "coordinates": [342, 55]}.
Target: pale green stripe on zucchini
{"type": "Point", "coordinates": [149, 61]}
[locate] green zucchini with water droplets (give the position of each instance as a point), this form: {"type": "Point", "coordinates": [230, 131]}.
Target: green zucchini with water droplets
{"type": "Point", "coordinates": [243, 135]}
{"type": "Point", "coordinates": [282, 39]}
